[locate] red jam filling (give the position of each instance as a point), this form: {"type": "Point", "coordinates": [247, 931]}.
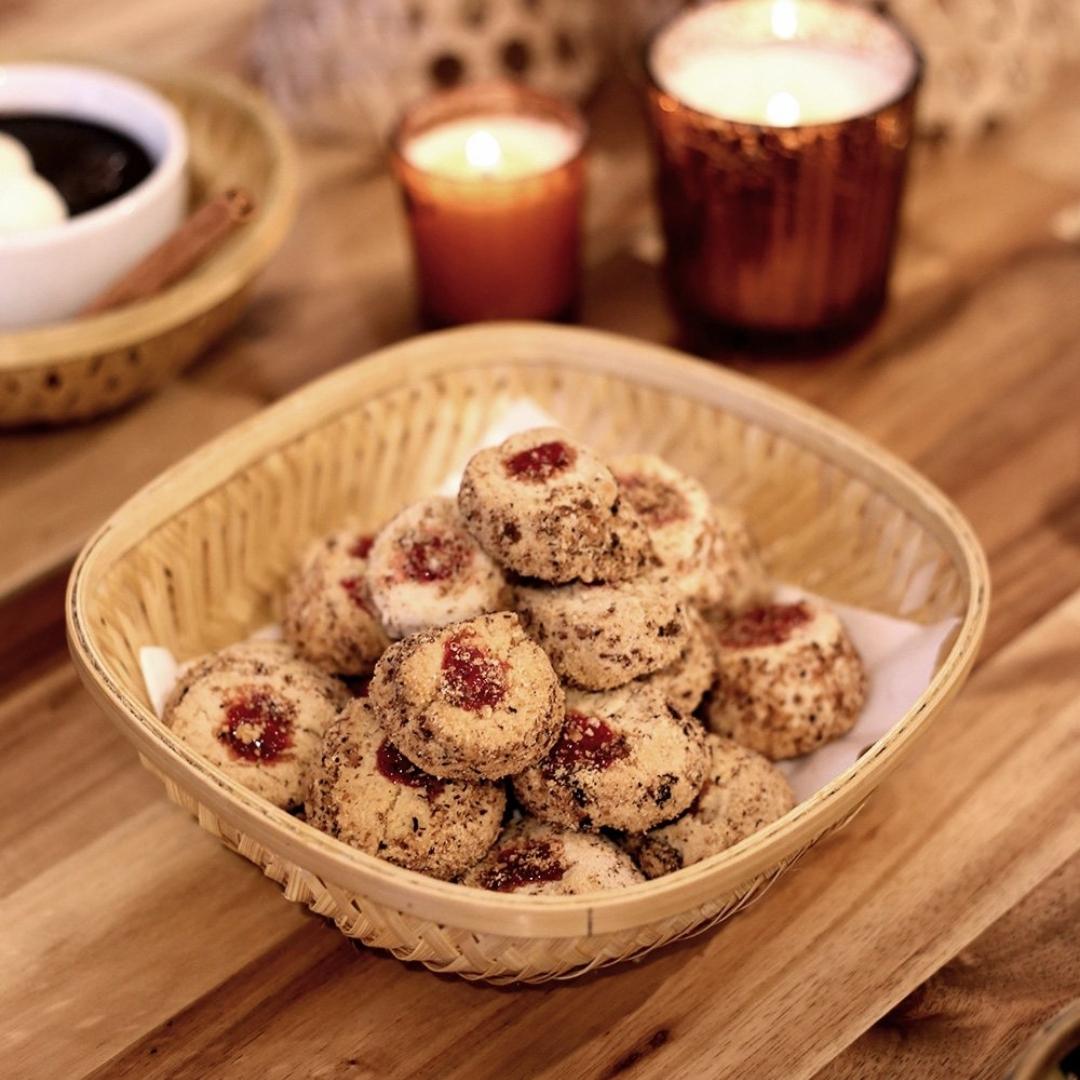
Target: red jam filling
{"type": "Point", "coordinates": [656, 502]}
{"type": "Point", "coordinates": [473, 679]}
{"type": "Point", "coordinates": [523, 865]}
{"type": "Point", "coordinates": [436, 558]}
{"type": "Point", "coordinates": [585, 743]}
{"type": "Point", "coordinates": [769, 625]}
{"type": "Point", "coordinates": [395, 766]}
{"type": "Point", "coordinates": [361, 547]}
{"type": "Point", "coordinates": [258, 727]}
{"type": "Point", "coordinates": [540, 463]}
{"type": "Point", "coordinates": [354, 586]}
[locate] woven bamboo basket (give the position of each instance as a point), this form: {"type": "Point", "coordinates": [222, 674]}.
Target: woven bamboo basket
{"type": "Point", "coordinates": [81, 368]}
{"type": "Point", "coordinates": [197, 559]}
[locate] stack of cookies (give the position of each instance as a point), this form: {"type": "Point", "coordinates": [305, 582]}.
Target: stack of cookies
{"type": "Point", "coordinates": [569, 679]}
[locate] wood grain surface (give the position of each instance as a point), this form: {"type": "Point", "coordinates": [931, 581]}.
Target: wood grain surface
{"type": "Point", "coordinates": [928, 940]}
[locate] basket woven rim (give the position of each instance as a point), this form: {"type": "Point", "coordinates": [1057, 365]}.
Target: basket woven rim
{"type": "Point", "coordinates": [539, 345]}
{"type": "Point", "coordinates": [59, 343]}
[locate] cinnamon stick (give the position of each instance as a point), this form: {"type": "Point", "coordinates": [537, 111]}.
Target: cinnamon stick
{"type": "Point", "coordinates": [180, 252]}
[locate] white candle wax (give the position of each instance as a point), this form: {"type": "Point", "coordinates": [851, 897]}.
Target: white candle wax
{"type": "Point", "coordinates": [492, 147]}
{"type": "Point", "coordinates": [782, 62]}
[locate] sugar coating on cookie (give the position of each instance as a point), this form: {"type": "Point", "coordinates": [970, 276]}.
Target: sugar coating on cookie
{"type": "Point", "coordinates": [329, 617]}
{"type": "Point", "coordinates": [534, 858]}
{"type": "Point", "coordinates": [743, 792]}
{"type": "Point", "coordinates": [475, 700]}
{"type": "Point", "coordinates": [706, 549]}
{"type": "Point", "coordinates": [605, 635]}
{"type": "Point", "coordinates": [625, 760]}
{"type": "Point", "coordinates": [676, 511]}
{"type": "Point", "coordinates": [258, 713]}
{"type": "Point", "coordinates": [733, 577]}
{"type": "Point", "coordinates": [789, 679]}
{"type": "Point", "coordinates": [686, 681]}
{"type": "Point", "coordinates": [425, 569]}
{"type": "Point", "coordinates": [544, 506]}
{"type": "Point", "coordinates": [260, 656]}
{"type": "Point", "coordinates": [365, 792]}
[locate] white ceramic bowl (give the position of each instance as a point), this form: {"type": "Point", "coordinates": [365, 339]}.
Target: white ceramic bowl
{"type": "Point", "coordinates": [49, 274]}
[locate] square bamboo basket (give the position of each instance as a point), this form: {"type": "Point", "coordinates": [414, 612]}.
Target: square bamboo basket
{"type": "Point", "coordinates": [197, 559]}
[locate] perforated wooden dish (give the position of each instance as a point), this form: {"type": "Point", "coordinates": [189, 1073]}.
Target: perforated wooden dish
{"type": "Point", "coordinates": [81, 368]}
{"type": "Point", "coordinates": [196, 559]}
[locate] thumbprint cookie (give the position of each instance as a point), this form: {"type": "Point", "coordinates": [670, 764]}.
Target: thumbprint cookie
{"type": "Point", "coordinates": [677, 513]}
{"type": "Point", "coordinates": [473, 701]}
{"type": "Point", "coordinates": [789, 679]}
{"type": "Point", "coordinates": [329, 617]}
{"type": "Point", "coordinates": [546, 507]}
{"type": "Point", "coordinates": [603, 636]}
{"type": "Point", "coordinates": [365, 792]}
{"type": "Point", "coordinates": [425, 569]}
{"type": "Point", "coordinates": [624, 760]}
{"type": "Point", "coordinates": [534, 858]}
{"type": "Point", "coordinates": [257, 713]}
{"type": "Point", "coordinates": [707, 550]}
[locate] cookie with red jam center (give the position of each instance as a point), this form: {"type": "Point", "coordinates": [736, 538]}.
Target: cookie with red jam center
{"type": "Point", "coordinates": [534, 858]}
{"type": "Point", "coordinates": [706, 549]}
{"type": "Point", "coordinates": [475, 700]}
{"type": "Point", "coordinates": [366, 793]}
{"type": "Point", "coordinates": [624, 760]}
{"type": "Point", "coordinates": [425, 569]}
{"type": "Point", "coordinates": [789, 680]}
{"type": "Point", "coordinates": [257, 712]}
{"type": "Point", "coordinates": [329, 617]}
{"type": "Point", "coordinates": [544, 506]}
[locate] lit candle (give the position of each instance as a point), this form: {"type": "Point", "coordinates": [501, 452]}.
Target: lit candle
{"type": "Point", "coordinates": [782, 133]}
{"type": "Point", "coordinates": [493, 180]}
{"type": "Point", "coordinates": [782, 63]}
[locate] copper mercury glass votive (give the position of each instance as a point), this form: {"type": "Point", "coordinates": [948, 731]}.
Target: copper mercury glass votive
{"type": "Point", "coordinates": [782, 131]}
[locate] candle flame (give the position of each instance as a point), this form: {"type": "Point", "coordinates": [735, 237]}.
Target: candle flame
{"type": "Point", "coordinates": [785, 19]}
{"type": "Point", "coordinates": [482, 151]}
{"type": "Point", "coordinates": [782, 109]}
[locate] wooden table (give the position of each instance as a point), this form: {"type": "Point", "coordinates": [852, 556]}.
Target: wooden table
{"type": "Point", "coordinates": [927, 940]}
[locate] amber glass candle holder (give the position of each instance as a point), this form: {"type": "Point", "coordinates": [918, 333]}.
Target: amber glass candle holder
{"type": "Point", "coordinates": [782, 131]}
{"type": "Point", "coordinates": [493, 179]}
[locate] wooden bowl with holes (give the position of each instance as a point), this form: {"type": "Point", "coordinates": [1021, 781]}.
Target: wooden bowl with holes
{"type": "Point", "coordinates": [198, 559]}
{"type": "Point", "coordinates": [84, 367]}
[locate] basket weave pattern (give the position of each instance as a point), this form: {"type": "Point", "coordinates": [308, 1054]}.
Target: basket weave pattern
{"type": "Point", "coordinates": [492, 958]}
{"type": "Point", "coordinates": [207, 568]}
